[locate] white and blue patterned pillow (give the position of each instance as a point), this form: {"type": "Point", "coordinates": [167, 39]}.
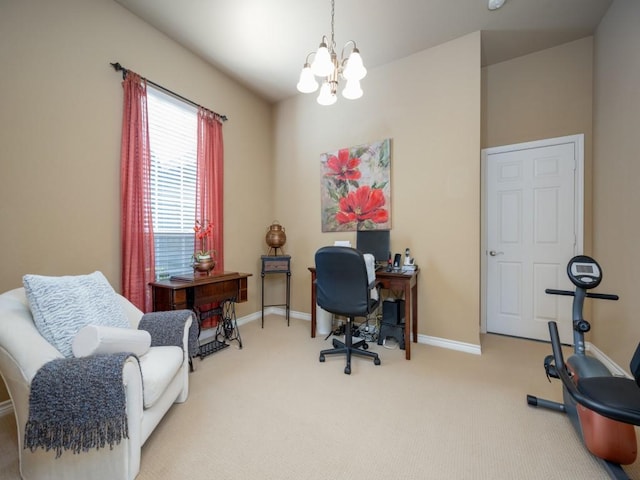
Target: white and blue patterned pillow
{"type": "Point", "coordinates": [61, 306]}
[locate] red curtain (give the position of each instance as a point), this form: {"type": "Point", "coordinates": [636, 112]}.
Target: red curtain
{"type": "Point", "coordinates": [209, 183]}
{"type": "Point", "coordinates": [138, 262]}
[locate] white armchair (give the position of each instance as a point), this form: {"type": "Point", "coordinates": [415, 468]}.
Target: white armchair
{"type": "Point", "coordinates": [23, 351]}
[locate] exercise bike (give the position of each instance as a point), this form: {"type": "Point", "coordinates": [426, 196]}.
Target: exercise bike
{"type": "Point", "coordinates": [603, 408]}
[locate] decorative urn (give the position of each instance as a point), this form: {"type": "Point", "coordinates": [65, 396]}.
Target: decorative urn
{"type": "Point", "coordinates": [204, 264]}
{"type": "Point", "coordinates": [276, 237]}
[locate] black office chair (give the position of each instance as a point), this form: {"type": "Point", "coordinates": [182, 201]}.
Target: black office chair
{"type": "Point", "coordinates": [343, 288]}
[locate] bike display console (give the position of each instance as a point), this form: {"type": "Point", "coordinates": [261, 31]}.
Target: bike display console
{"type": "Point", "coordinates": [584, 272]}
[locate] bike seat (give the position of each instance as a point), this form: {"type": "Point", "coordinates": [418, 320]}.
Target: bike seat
{"type": "Point", "coordinates": [614, 397]}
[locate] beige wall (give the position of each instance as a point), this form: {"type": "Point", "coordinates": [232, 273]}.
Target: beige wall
{"type": "Point", "coordinates": [60, 123]}
{"type": "Point", "coordinates": [429, 105]}
{"type": "Point", "coordinates": [616, 178]}
{"type": "Point", "coordinates": [60, 137]}
{"type": "Point", "coordinates": [542, 95]}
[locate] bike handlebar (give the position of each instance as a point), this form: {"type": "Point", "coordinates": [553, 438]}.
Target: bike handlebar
{"type": "Point", "coordinates": [568, 293]}
{"type": "Point", "coordinates": [553, 291]}
{"type": "Point", "coordinates": [603, 296]}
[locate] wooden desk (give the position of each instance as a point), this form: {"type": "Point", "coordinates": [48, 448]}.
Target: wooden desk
{"type": "Point", "coordinates": [226, 288]}
{"type": "Point", "coordinates": [405, 283]}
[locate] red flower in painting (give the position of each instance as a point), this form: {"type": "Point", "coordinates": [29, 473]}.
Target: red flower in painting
{"type": "Point", "coordinates": [365, 203]}
{"type": "Point", "coordinates": [343, 167]}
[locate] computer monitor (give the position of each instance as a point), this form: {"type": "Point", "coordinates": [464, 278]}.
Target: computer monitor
{"type": "Point", "coordinates": [375, 242]}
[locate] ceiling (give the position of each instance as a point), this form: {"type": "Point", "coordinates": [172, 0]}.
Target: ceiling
{"type": "Point", "coordinates": [263, 43]}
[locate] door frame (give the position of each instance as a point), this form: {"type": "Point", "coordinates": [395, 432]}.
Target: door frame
{"type": "Point", "coordinates": [578, 141]}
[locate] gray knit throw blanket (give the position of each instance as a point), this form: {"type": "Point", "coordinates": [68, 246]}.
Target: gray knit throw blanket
{"type": "Point", "coordinates": [167, 328]}
{"type": "Point", "coordinates": [78, 404]}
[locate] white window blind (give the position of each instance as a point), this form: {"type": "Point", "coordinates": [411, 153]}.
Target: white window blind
{"type": "Point", "coordinates": [173, 131]}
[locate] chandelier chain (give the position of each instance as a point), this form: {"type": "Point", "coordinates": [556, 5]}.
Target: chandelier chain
{"type": "Point", "coordinates": [333, 11]}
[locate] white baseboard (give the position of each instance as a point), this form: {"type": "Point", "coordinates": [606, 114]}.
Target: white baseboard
{"type": "Point", "coordinates": [425, 339]}
{"type": "Point", "coordinates": [615, 369]}
{"type": "Point", "coordinates": [6, 408]}
{"type": "Point", "coordinates": [450, 344]}
{"type": "Point", "coordinates": [250, 318]}
{"type": "Point", "coordinates": [282, 312]}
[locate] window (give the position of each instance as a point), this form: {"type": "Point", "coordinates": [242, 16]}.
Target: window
{"type": "Point", "coordinates": [173, 131]}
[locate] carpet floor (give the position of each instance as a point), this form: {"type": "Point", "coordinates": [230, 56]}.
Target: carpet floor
{"type": "Point", "coordinates": [272, 411]}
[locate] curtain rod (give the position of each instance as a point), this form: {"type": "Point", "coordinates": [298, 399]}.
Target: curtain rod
{"type": "Point", "coordinates": [119, 68]}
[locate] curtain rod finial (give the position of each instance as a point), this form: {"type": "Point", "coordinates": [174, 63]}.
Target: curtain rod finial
{"type": "Point", "coordinates": [119, 68]}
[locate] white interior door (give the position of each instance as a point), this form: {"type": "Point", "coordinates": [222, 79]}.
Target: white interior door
{"type": "Point", "coordinates": [533, 226]}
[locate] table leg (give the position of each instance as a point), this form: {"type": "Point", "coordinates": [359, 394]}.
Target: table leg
{"type": "Point", "coordinates": [288, 296]}
{"type": "Point", "coordinates": [313, 305]}
{"type": "Point", "coordinates": [414, 311]}
{"type": "Point", "coordinates": [228, 326]}
{"type": "Point", "coordinates": [262, 300]}
{"type": "Point", "coordinates": [408, 300]}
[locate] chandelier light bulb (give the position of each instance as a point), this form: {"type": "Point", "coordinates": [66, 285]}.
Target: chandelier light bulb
{"type": "Point", "coordinates": [307, 82]}
{"type": "Point", "coordinates": [322, 65]}
{"type": "Point", "coordinates": [326, 96]}
{"type": "Point", "coordinates": [352, 90]}
{"type": "Point", "coordinates": [354, 70]}
{"type": "Point", "coordinates": [495, 4]}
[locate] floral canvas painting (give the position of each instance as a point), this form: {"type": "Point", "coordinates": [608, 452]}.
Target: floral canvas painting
{"type": "Point", "coordinates": [356, 188]}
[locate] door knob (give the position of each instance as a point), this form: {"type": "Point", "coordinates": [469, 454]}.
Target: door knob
{"type": "Point", "coordinates": [493, 253]}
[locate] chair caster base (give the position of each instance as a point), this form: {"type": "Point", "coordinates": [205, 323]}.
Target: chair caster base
{"type": "Point", "coordinates": [347, 370]}
{"type": "Point", "coordinates": [376, 361]}
{"type": "Point", "coordinates": [322, 358]}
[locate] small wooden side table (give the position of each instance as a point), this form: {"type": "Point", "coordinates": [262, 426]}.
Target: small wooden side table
{"type": "Point", "coordinates": [272, 264]}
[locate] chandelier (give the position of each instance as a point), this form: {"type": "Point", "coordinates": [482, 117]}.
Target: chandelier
{"type": "Point", "coordinates": [327, 66]}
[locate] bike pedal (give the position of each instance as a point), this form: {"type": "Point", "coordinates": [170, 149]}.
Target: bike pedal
{"type": "Point", "coordinates": [550, 368]}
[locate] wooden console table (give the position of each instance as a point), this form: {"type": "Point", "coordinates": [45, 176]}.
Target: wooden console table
{"type": "Point", "coordinates": [407, 283]}
{"type": "Point", "coordinates": [226, 288]}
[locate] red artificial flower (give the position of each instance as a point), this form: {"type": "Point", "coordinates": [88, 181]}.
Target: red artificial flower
{"type": "Point", "coordinates": [202, 231]}
{"type": "Point", "coordinates": [344, 167]}
{"type": "Point", "coordinates": [365, 203]}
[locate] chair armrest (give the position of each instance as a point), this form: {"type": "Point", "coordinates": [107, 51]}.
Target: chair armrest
{"type": "Point", "coordinates": [375, 294]}
{"type": "Point", "coordinates": [169, 329]}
